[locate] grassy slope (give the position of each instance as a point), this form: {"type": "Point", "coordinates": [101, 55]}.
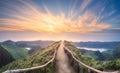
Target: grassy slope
{"type": "Point", "coordinates": [110, 65]}
{"type": "Point", "coordinates": [93, 55]}
{"type": "Point", "coordinates": [5, 57]}
{"type": "Point", "coordinates": [38, 58]}
{"type": "Point", "coordinates": [16, 51]}
{"type": "Point", "coordinates": [77, 54]}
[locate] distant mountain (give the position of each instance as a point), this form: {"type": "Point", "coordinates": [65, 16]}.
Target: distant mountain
{"type": "Point", "coordinates": [21, 49]}
{"type": "Point", "coordinates": [108, 45]}
{"type": "Point", "coordinates": [34, 45]}
{"type": "Point", "coordinates": [40, 43]}
{"type": "Point", "coordinates": [8, 42]}
{"type": "Point", "coordinates": [44, 55]}
{"type": "Point", "coordinates": [5, 57]}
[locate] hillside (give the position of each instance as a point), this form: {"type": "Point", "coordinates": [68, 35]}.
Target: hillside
{"type": "Point", "coordinates": [5, 57]}
{"type": "Point", "coordinates": [20, 49]}
{"type": "Point", "coordinates": [97, 55]}
{"type": "Point", "coordinates": [16, 51]}
{"type": "Point", "coordinates": [99, 50]}
{"type": "Point", "coordinates": [38, 58]}
{"type": "Point", "coordinates": [109, 65]}
{"type": "Point", "coordinates": [63, 57]}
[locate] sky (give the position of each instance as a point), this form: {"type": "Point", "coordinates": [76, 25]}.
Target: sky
{"type": "Point", "coordinates": [73, 20]}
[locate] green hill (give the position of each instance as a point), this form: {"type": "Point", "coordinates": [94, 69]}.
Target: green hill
{"type": "Point", "coordinates": [16, 51]}
{"type": "Point", "coordinates": [5, 57]}
{"type": "Point", "coordinates": [38, 58]}
{"type": "Point", "coordinates": [110, 65]}
{"type": "Point", "coordinates": [42, 56]}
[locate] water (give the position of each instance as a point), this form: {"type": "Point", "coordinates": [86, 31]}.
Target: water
{"type": "Point", "coordinates": [28, 48]}
{"type": "Point", "coordinates": [93, 49]}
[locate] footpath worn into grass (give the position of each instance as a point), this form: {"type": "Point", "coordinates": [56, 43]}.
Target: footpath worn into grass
{"type": "Point", "coordinates": [62, 61]}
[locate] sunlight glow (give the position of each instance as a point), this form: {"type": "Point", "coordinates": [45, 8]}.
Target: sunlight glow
{"type": "Point", "coordinates": [30, 17]}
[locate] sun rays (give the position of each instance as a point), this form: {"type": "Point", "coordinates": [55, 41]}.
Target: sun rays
{"type": "Point", "coordinates": [28, 16]}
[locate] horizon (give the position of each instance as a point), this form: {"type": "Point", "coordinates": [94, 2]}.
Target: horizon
{"type": "Point", "coordinates": [55, 41]}
{"type": "Point", "coordinates": [74, 20]}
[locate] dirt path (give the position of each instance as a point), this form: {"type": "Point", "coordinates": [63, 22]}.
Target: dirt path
{"type": "Point", "coordinates": [62, 61]}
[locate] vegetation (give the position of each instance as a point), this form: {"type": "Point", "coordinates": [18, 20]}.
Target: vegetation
{"type": "Point", "coordinates": [103, 56]}
{"type": "Point", "coordinates": [5, 57]}
{"type": "Point", "coordinates": [78, 54]}
{"type": "Point", "coordinates": [116, 52]}
{"type": "Point", "coordinates": [38, 58]}
{"type": "Point", "coordinates": [16, 51]}
{"type": "Point", "coordinates": [44, 55]}
{"type": "Point", "coordinates": [109, 65]}
{"type": "Point", "coordinates": [112, 53]}
{"type": "Point", "coordinates": [20, 49]}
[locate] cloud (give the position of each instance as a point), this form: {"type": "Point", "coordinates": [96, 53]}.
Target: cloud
{"type": "Point", "coordinates": [84, 4]}
{"type": "Point", "coordinates": [89, 23]}
{"type": "Point", "coordinates": [10, 29]}
{"type": "Point", "coordinates": [30, 17]}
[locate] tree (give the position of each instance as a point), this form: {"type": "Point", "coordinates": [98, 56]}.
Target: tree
{"type": "Point", "coordinates": [116, 52]}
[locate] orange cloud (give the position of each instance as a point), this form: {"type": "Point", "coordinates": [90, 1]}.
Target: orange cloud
{"type": "Point", "coordinates": [10, 29]}
{"type": "Point", "coordinates": [31, 18]}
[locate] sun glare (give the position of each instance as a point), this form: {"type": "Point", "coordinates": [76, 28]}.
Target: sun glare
{"type": "Point", "coordinates": [32, 18]}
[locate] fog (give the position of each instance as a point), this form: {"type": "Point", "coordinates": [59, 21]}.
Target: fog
{"type": "Point", "coordinates": [93, 49]}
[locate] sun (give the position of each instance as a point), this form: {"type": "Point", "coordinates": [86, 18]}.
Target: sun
{"type": "Point", "coordinates": [51, 28]}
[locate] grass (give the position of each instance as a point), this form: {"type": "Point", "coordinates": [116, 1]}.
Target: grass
{"type": "Point", "coordinates": [38, 58]}
{"type": "Point", "coordinates": [16, 51]}
{"type": "Point", "coordinates": [77, 53]}
{"type": "Point", "coordinates": [42, 56]}
{"type": "Point", "coordinates": [110, 65]}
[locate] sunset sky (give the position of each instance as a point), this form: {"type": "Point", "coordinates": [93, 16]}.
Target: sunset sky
{"type": "Point", "coordinates": [74, 20]}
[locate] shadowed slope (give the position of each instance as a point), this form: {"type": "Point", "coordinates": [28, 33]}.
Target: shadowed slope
{"type": "Point", "coordinates": [5, 57]}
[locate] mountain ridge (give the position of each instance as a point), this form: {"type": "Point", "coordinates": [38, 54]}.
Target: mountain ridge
{"type": "Point", "coordinates": [37, 58]}
{"type": "Point", "coordinates": [42, 56]}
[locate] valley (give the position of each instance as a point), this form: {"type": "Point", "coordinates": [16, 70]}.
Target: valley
{"type": "Point", "coordinates": [59, 36]}
{"type": "Point", "coordinates": [65, 61]}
